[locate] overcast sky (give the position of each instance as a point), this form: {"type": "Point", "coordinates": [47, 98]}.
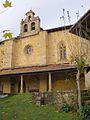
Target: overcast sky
{"type": "Point", "coordinates": [49, 12]}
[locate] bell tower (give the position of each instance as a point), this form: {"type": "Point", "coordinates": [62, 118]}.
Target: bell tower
{"type": "Point", "coordinates": [30, 25]}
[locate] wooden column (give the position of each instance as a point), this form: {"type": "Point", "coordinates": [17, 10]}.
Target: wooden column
{"type": "Point", "coordinates": [21, 87]}
{"type": "Point", "coordinates": [50, 82]}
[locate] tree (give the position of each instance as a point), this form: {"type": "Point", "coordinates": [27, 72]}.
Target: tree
{"type": "Point", "coordinates": [79, 58]}
{"type": "Point", "coordinates": [7, 4]}
{"type": "Point", "coordinates": [7, 33]}
{"type": "Point", "coordinates": [79, 61]}
{"type": "Point", "coordinates": [77, 55]}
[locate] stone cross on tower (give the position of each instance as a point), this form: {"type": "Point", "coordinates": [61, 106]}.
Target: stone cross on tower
{"type": "Point", "coordinates": [31, 25]}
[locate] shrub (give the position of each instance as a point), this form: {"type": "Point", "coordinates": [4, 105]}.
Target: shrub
{"type": "Point", "coordinates": [66, 107]}
{"type": "Point", "coordinates": [86, 112]}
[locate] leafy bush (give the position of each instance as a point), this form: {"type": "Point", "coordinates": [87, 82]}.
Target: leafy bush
{"type": "Point", "coordinates": [86, 112]}
{"type": "Point", "coordinates": [66, 107]}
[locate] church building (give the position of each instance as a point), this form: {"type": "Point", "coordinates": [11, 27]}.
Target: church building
{"type": "Point", "coordinates": [40, 60]}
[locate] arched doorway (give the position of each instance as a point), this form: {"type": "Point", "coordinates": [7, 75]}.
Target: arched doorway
{"type": "Point", "coordinates": [24, 86]}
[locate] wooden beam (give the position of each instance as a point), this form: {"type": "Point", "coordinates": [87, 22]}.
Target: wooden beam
{"type": "Point", "coordinates": [85, 28]}
{"type": "Point", "coordinates": [86, 34]}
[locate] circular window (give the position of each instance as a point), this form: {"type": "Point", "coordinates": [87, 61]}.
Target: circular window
{"type": "Point", "coordinates": [28, 49]}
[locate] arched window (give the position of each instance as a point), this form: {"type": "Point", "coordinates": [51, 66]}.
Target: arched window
{"type": "Point", "coordinates": [25, 28]}
{"type": "Point", "coordinates": [29, 18]}
{"type": "Point", "coordinates": [33, 26]}
{"type": "Point", "coordinates": [62, 51]}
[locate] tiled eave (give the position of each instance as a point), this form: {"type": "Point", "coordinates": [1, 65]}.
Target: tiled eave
{"type": "Point", "coordinates": [39, 69]}
{"type": "Point", "coordinates": [59, 29]}
{"type": "Point", "coordinates": [36, 69]}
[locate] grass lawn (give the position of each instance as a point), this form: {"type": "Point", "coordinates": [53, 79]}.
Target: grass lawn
{"type": "Point", "coordinates": [20, 107]}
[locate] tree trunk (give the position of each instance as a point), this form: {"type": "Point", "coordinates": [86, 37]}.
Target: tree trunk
{"type": "Point", "coordinates": [79, 91]}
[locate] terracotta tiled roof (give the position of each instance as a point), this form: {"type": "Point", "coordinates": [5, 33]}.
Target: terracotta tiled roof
{"type": "Point", "coordinates": [36, 69]}
{"type": "Point", "coordinates": [59, 28]}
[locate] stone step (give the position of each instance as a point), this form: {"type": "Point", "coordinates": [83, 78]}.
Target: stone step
{"type": "Point", "coordinates": [85, 93]}
{"type": "Point", "coordinates": [87, 102]}
{"type": "Point", "coordinates": [84, 98]}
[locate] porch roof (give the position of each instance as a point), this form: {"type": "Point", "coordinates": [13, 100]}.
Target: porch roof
{"type": "Point", "coordinates": [82, 26]}
{"type": "Point", "coordinates": [36, 69]}
{"type": "Point", "coordinates": [39, 69]}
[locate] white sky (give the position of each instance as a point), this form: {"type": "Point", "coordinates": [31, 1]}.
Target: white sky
{"type": "Point", "coordinates": [49, 12]}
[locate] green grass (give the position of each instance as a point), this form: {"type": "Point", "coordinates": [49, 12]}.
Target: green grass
{"type": "Point", "coordinates": [20, 107]}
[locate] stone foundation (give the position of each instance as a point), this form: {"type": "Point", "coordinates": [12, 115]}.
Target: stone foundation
{"type": "Point", "coordinates": [56, 98]}
{"type": "Point", "coordinates": [43, 98]}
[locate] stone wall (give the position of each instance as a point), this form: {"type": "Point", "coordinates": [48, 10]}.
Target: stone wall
{"type": "Point", "coordinates": [38, 54]}
{"type": "Point", "coordinates": [45, 49]}
{"type": "Point", "coordinates": [6, 85]}
{"type": "Point", "coordinates": [65, 97]}
{"type": "Point", "coordinates": [42, 98]}
{"type": "Point", "coordinates": [56, 98]}
{"type": "Point", "coordinates": [87, 80]}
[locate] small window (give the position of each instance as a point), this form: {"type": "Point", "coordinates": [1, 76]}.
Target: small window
{"type": "Point", "coordinates": [28, 49]}
{"type": "Point", "coordinates": [33, 26]}
{"type": "Point", "coordinates": [25, 28]}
